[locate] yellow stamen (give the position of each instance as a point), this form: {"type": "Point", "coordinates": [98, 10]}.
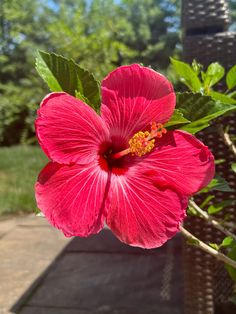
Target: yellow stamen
{"type": "Point", "coordinates": [140, 145]}
{"type": "Point", "coordinates": [142, 142]}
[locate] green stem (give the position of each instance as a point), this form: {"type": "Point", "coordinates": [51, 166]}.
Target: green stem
{"type": "Point", "coordinates": [212, 220]}
{"type": "Point", "coordinates": [226, 137]}
{"type": "Point", "coordinates": [206, 248]}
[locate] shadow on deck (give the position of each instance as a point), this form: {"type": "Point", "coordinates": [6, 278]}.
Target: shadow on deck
{"type": "Point", "coordinates": [100, 275]}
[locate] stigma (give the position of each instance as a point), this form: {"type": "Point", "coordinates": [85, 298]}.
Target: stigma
{"type": "Point", "coordinates": [143, 142]}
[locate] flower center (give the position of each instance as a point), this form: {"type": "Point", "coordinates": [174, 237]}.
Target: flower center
{"type": "Point", "coordinates": [142, 142]}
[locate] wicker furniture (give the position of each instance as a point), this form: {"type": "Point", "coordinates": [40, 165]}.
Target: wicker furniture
{"type": "Point", "coordinates": [208, 48]}
{"type": "Point", "coordinates": [205, 15]}
{"type": "Point", "coordinates": [205, 38]}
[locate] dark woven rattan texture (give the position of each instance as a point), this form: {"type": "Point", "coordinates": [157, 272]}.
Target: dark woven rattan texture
{"type": "Point", "coordinates": [205, 13]}
{"type": "Point", "coordinates": [219, 47]}
{"type": "Point", "coordinates": [208, 287]}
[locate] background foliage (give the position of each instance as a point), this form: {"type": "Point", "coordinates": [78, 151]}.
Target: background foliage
{"type": "Point", "coordinates": [98, 34]}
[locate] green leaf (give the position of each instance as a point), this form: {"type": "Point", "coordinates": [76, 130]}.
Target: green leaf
{"type": "Point", "coordinates": [214, 74]}
{"type": "Point", "coordinates": [222, 98]}
{"type": "Point", "coordinates": [231, 78]}
{"type": "Point", "coordinates": [187, 75]}
{"type": "Point", "coordinates": [219, 161]}
{"type": "Point", "coordinates": [200, 110]}
{"type": "Point", "coordinates": [81, 97]}
{"type": "Point", "coordinates": [37, 211]}
{"type": "Point", "coordinates": [214, 246]}
{"type": "Point", "coordinates": [228, 241]}
{"type": "Point", "coordinates": [230, 269]}
{"type": "Point", "coordinates": [46, 74]}
{"type": "Point", "coordinates": [217, 184]}
{"type": "Point", "coordinates": [233, 167]}
{"type": "Point", "coordinates": [176, 119]}
{"type": "Point", "coordinates": [194, 242]}
{"type": "Point", "coordinates": [40, 214]}
{"type": "Point", "coordinates": [63, 74]}
{"type": "Point", "coordinates": [215, 208]}
{"type": "Point", "coordinates": [207, 200]}
{"type": "Point", "coordinates": [196, 66]}
{"type": "Point", "coordinates": [232, 95]}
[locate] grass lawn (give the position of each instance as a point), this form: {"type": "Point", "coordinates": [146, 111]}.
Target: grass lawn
{"type": "Point", "coordinates": [19, 168]}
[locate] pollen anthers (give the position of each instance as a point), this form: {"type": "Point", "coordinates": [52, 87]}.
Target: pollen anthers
{"type": "Point", "coordinates": [140, 144]}
{"type": "Point", "coordinates": [143, 142]}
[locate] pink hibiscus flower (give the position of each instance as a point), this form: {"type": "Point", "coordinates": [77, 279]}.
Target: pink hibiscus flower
{"type": "Point", "coordinates": [122, 167]}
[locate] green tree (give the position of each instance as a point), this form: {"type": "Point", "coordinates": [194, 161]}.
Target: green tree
{"type": "Point", "coordinates": [20, 89]}
{"type": "Point", "coordinates": [88, 33]}
{"type": "Point", "coordinates": [155, 30]}
{"type": "Point", "coordinates": [98, 34]}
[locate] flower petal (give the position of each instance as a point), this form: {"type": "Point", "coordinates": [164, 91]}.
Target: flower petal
{"type": "Point", "coordinates": [180, 161]}
{"type": "Point", "coordinates": [72, 197]}
{"type": "Point", "coordinates": [68, 130]}
{"type": "Point", "coordinates": [134, 96]}
{"type": "Point", "coordinates": [142, 214]}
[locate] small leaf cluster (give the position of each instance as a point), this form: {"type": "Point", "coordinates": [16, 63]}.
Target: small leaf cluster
{"type": "Point", "coordinates": [196, 108]}
{"type": "Point", "coordinates": [228, 245]}
{"type": "Point", "coordinates": [202, 82]}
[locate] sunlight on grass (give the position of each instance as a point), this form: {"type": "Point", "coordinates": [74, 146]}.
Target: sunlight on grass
{"type": "Point", "coordinates": [19, 168]}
